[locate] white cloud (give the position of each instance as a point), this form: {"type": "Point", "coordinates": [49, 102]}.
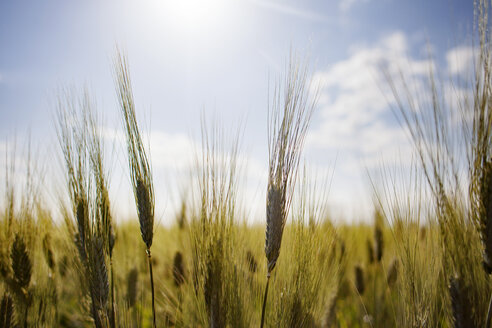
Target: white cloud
{"type": "Point", "coordinates": [460, 60]}
{"type": "Point", "coordinates": [355, 97]}
{"type": "Point", "coordinates": [356, 122]}
{"type": "Point", "coordinates": [171, 151]}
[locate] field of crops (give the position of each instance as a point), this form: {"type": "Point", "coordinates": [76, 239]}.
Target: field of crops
{"type": "Point", "coordinates": [424, 261]}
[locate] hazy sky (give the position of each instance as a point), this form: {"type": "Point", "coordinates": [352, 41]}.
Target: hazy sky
{"type": "Point", "coordinates": [218, 57]}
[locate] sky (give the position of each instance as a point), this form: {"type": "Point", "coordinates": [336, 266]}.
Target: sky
{"type": "Point", "coordinates": [218, 59]}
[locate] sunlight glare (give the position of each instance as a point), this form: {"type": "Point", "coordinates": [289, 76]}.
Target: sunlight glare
{"type": "Point", "coordinates": [193, 14]}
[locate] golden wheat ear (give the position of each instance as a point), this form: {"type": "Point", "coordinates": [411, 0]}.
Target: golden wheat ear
{"type": "Point", "coordinates": [275, 225]}
{"type": "Point", "coordinates": [145, 216]}
{"type": "Point", "coordinates": [289, 118]}
{"type": "Point", "coordinates": [99, 274]}
{"type": "Point", "coordinates": [392, 274]}
{"type": "Point", "coordinates": [178, 269]}
{"type": "Point", "coordinates": [360, 284]}
{"type": "Point", "coordinates": [378, 235]}
{"type": "Point", "coordinates": [140, 170]}
{"type": "Point", "coordinates": [131, 287]}
{"type": "Point", "coordinates": [48, 252]}
{"type": "Point", "coordinates": [370, 252]}
{"type": "Point", "coordinates": [21, 262]}
{"type": "Point", "coordinates": [251, 260]}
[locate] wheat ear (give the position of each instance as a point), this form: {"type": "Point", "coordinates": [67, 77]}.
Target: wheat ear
{"type": "Point", "coordinates": [289, 118]}
{"type": "Point", "coordinates": [140, 172]}
{"type": "Point", "coordinates": [359, 279]}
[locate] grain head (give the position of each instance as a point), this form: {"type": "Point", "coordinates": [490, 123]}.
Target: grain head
{"type": "Point", "coordinates": [99, 282]}
{"type": "Point", "coordinates": [131, 287]}
{"type": "Point", "coordinates": [140, 171]}
{"type": "Point", "coordinates": [145, 212]}
{"type": "Point", "coordinates": [21, 262]}
{"type": "Point", "coordinates": [370, 252]}
{"type": "Point", "coordinates": [359, 279]}
{"type": "Point", "coordinates": [289, 119]}
{"type": "Point", "coordinates": [252, 264]}
{"type": "Point", "coordinates": [82, 227]}
{"type": "Point", "coordinates": [178, 269]}
{"type": "Point", "coordinates": [111, 241]}
{"type": "Point", "coordinates": [392, 274]}
{"type": "Point", "coordinates": [378, 237]}
{"type": "Point", "coordinates": [48, 252]}
{"type": "Point", "coordinates": [63, 266]}
{"type": "Point", "coordinates": [275, 224]}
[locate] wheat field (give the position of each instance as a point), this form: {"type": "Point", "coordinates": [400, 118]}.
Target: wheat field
{"type": "Point", "coordinates": [424, 260]}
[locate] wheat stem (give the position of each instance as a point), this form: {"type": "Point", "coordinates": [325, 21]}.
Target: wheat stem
{"type": "Point", "coordinates": [113, 313]}
{"type": "Point", "coordinates": [149, 258]}
{"type": "Point", "coordinates": [26, 312]}
{"type": "Point", "coordinates": [489, 313]}
{"type": "Point", "coordinates": [264, 301]}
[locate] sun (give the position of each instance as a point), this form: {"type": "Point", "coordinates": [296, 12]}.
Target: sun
{"type": "Point", "coordinates": [191, 14]}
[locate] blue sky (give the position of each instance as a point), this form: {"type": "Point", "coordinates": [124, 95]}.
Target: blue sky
{"type": "Point", "coordinates": [218, 57]}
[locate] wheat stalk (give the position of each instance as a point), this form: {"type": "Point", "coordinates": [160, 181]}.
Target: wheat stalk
{"type": "Point", "coordinates": [94, 238]}
{"type": "Point", "coordinates": [289, 118]}
{"type": "Point", "coordinates": [104, 220]}
{"type": "Point", "coordinates": [140, 172]}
